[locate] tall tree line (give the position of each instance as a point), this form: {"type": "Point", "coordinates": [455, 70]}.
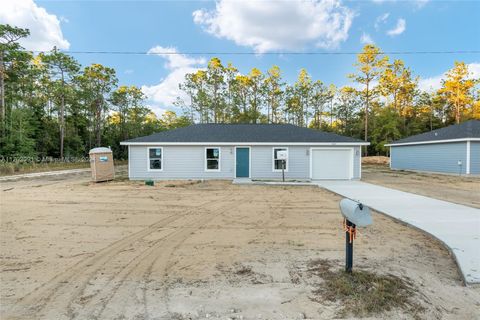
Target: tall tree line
{"type": "Point", "coordinates": [52, 107]}
{"type": "Point", "coordinates": [385, 104]}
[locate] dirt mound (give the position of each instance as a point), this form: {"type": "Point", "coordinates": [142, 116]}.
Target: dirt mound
{"type": "Point", "coordinates": [376, 160]}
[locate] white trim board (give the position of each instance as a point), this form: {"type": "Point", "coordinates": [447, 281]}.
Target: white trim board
{"type": "Point", "coordinates": [467, 167]}
{"type": "Point", "coordinates": [129, 161]}
{"type": "Point", "coordinates": [359, 164]}
{"type": "Point", "coordinates": [432, 141]}
{"type": "Point", "coordinates": [390, 157]}
{"type": "Point", "coordinates": [246, 144]}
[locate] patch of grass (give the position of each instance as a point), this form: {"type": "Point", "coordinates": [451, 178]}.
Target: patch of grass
{"type": "Point", "coordinates": [121, 178]}
{"type": "Point", "coordinates": [242, 270]}
{"type": "Point", "coordinates": [12, 168]}
{"type": "Point", "coordinates": [363, 293]}
{"type": "Point", "coordinates": [8, 168]}
{"type": "Point", "coordinates": [295, 244]}
{"type": "Point", "coordinates": [240, 273]}
{"type": "Point", "coordinates": [182, 184]}
{"type": "Point", "coordinates": [280, 180]}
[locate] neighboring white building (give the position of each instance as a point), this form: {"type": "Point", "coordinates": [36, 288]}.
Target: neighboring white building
{"type": "Point", "coordinates": [229, 151]}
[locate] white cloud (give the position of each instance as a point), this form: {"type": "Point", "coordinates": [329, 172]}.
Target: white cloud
{"type": "Point", "coordinates": [366, 39]}
{"type": "Point", "coordinates": [157, 110]}
{"type": "Point", "coordinates": [360, 86]}
{"type": "Point", "coordinates": [474, 69]}
{"type": "Point", "coordinates": [162, 95]}
{"type": "Point", "coordinates": [278, 25]}
{"type": "Point", "coordinates": [399, 28]}
{"type": "Point", "coordinates": [45, 30]}
{"type": "Point", "coordinates": [381, 20]}
{"type": "Point", "coordinates": [418, 3]}
{"type": "Point", "coordinates": [435, 83]}
{"type": "Point", "coordinates": [174, 60]}
{"type": "Point", "coordinates": [421, 3]}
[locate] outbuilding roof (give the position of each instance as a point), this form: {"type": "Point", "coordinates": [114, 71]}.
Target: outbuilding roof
{"type": "Point", "coordinates": [243, 133]}
{"type": "Point", "coordinates": [467, 130]}
{"type": "Point", "coordinates": [100, 150]}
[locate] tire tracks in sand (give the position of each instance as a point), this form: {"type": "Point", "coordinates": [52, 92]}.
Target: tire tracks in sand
{"type": "Point", "coordinates": [127, 296]}
{"type": "Point", "coordinates": [57, 297]}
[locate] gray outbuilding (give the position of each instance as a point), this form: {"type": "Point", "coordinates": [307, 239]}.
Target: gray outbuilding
{"type": "Point", "coordinates": [229, 151]}
{"type": "Point", "coordinates": [454, 149]}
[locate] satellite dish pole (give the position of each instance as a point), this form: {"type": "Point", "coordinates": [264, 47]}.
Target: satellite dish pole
{"type": "Point", "coordinates": [350, 234]}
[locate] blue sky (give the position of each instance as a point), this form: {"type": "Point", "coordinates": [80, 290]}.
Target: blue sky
{"type": "Point", "coordinates": [250, 26]}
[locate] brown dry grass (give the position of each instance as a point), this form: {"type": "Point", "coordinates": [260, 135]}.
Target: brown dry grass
{"type": "Point", "coordinates": [8, 168]}
{"type": "Point", "coordinates": [363, 293]}
{"type": "Point", "coordinates": [457, 189]}
{"type": "Point", "coordinates": [381, 160]}
{"type": "Point", "coordinates": [182, 184]}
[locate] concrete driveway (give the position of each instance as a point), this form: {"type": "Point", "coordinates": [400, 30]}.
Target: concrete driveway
{"type": "Point", "coordinates": [457, 226]}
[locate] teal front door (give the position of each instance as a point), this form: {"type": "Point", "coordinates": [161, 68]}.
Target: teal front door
{"type": "Point", "coordinates": [243, 162]}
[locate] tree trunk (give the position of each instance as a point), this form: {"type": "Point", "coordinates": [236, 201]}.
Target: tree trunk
{"type": "Point", "coordinates": [431, 116]}
{"type": "Point", "coordinates": [366, 117]}
{"type": "Point", "coordinates": [457, 113]}
{"type": "Point", "coordinates": [192, 111]}
{"type": "Point", "coordinates": [62, 117]}
{"type": "Point", "coordinates": [331, 113]}
{"type": "Point", "coordinates": [98, 115]}
{"type": "Point", "coordinates": [320, 116]}
{"type": "Point", "coordinates": [268, 110]}
{"type": "Point", "coordinates": [305, 112]}
{"type": "Point", "coordinates": [2, 95]}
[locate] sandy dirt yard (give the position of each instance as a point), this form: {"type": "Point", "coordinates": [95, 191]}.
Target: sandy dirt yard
{"type": "Point", "coordinates": [461, 190]}
{"type": "Point", "coordinates": [71, 249]}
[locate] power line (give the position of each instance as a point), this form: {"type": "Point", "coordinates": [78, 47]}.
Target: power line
{"type": "Point", "coordinates": [265, 53]}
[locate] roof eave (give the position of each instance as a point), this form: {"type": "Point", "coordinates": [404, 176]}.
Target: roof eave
{"type": "Point", "coordinates": [431, 141]}
{"type": "Point", "coordinates": [126, 143]}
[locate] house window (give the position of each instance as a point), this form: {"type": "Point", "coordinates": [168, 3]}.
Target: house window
{"type": "Point", "coordinates": [212, 159]}
{"type": "Point", "coordinates": [155, 158]}
{"type": "Point", "coordinates": [278, 163]}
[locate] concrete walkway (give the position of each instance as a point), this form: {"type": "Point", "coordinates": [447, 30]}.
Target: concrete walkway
{"type": "Point", "coordinates": [457, 226]}
{"type": "Point", "coordinates": [272, 183]}
{"type": "Point", "coordinates": [42, 174]}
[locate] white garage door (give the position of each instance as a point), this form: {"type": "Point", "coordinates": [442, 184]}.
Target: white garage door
{"type": "Point", "coordinates": [332, 163]}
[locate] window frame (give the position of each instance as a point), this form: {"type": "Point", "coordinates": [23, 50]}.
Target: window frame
{"type": "Point", "coordinates": [273, 159]}
{"type": "Point", "coordinates": [205, 159]}
{"type": "Point", "coordinates": [161, 159]}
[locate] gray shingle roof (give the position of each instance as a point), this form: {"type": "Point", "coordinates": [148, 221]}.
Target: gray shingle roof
{"type": "Point", "coordinates": [468, 129]}
{"type": "Point", "coordinates": [244, 133]}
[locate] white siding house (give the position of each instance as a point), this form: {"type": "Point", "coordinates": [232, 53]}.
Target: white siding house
{"type": "Point", "coordinates": [214, 151]}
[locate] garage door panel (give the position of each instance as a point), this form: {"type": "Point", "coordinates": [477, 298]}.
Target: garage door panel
{"type": "Point", "coordinates": [332, 164]}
